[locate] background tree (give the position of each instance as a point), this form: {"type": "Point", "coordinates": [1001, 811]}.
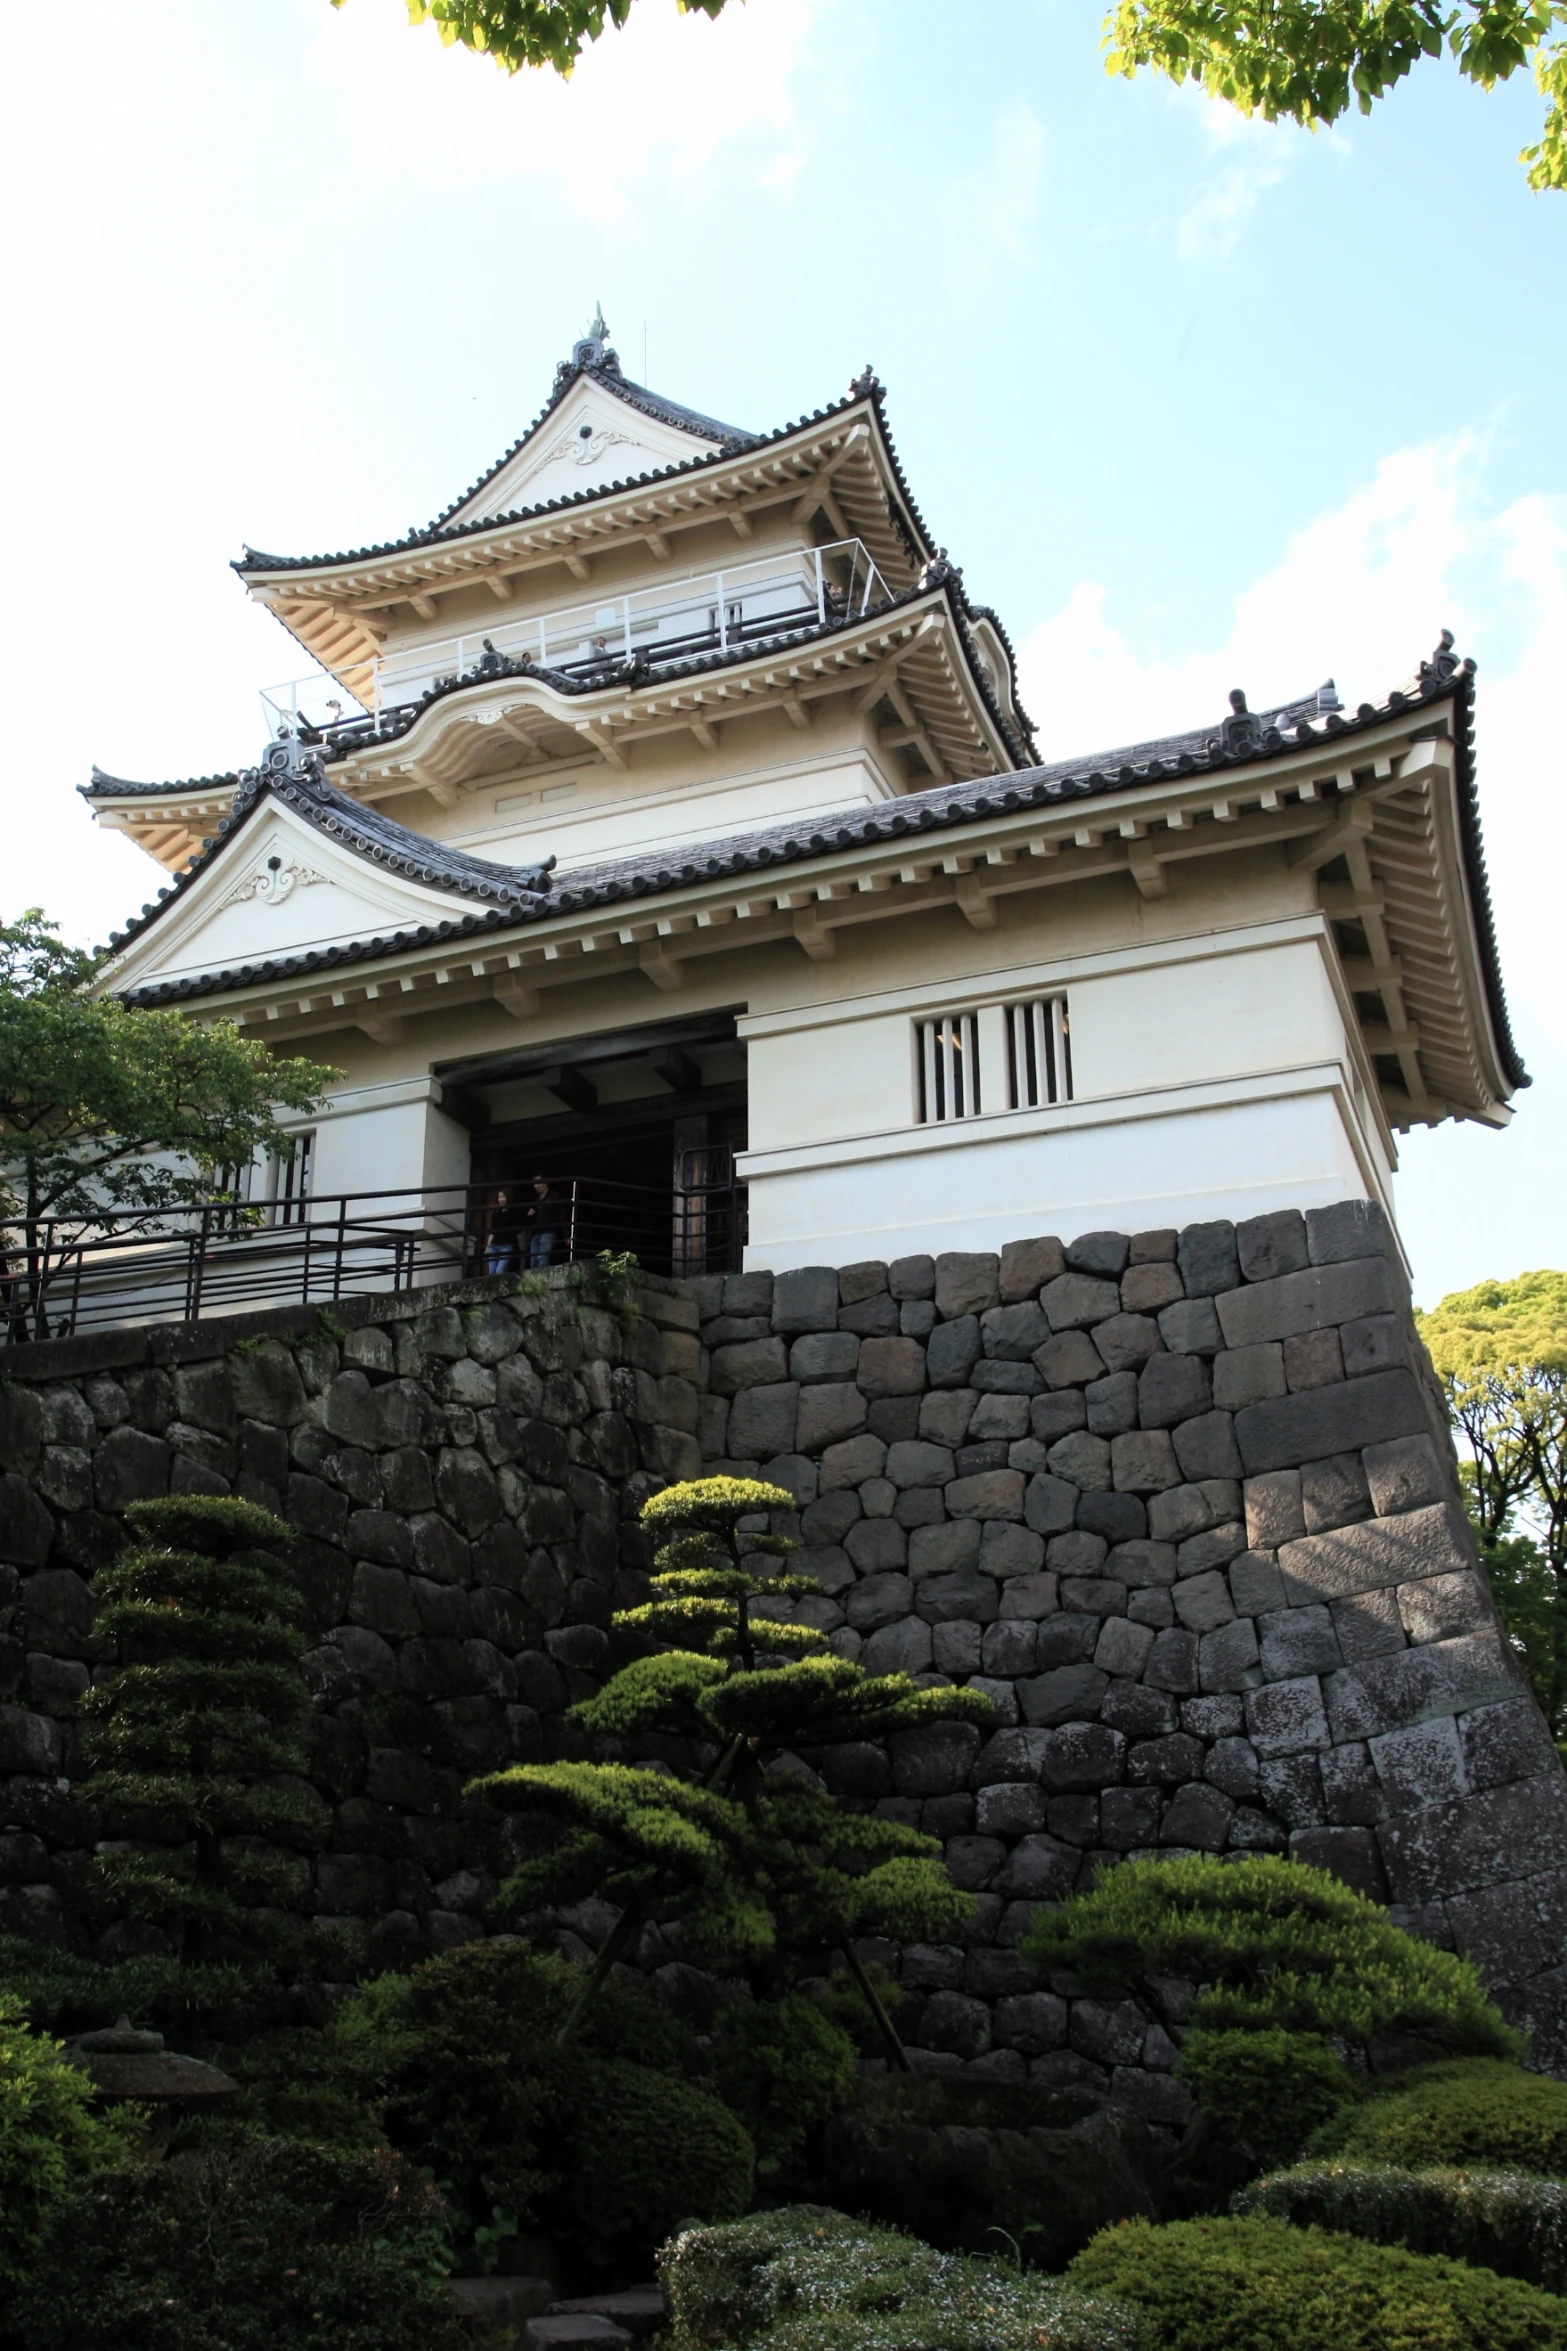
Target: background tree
{"type": "Point", "coordinates": [107, 1106]}
{"type": "Point", "coordinates": [1501, 1352]}
{"type": "Point", "coordinates": [1304, 61]}
{"type": "Point", "coordinates": [191, 1735]}
{"type": "Point", "coordinates": [1309, 61]}
{"type": "Point", "coordinates": [755, 1860]}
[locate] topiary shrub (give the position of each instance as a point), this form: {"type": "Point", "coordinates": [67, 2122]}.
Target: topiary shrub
{"type": "Point", "coordinates": [807, 2279]}
{"type": "Point", "coordinates": [1260, 2285]}
{"type": "Point", "coordinates": [1274, 1944]}
{"type": "Point", "coordinates": [708, 2274]}
{"type": "Point", "coordinates": [1285, 1954]}
{"type": "Point", "coordinates": [262, 2246]}
{"type": "Point", "coordinates": [51, 2140]}
{"type": "Point", "coordinates": [1503, 2220]}
{"type": "Point", "coordinates": [644, 2155]}
{"type": "Point", "coordinates": [784, 2067]}
{"type": "Point", "coordinates": [606, 2145]}
{"type": "Point", "coordinates": [1496, 2115]}
{"type": "Point", "coordinates": [195, 1739]}
{"type": "Point", "coordinates": [1265, 2092]}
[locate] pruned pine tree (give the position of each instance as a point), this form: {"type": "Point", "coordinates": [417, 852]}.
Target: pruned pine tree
{"type": "Point", "coordinates": [745, 1850]}
{"type": "Point", "coordinates": [192, 1736]}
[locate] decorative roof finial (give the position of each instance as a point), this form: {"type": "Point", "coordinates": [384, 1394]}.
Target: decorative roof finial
{"type": "Point", "coordinates": [1443, 664]}
{"type": "Point", "coordinates": [1242, 731]}
{"type": "Point", "coordinates": [592, 349]}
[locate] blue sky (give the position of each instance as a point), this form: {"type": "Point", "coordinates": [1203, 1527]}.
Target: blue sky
{"type": "Point", "coordinates": [1194, 402]}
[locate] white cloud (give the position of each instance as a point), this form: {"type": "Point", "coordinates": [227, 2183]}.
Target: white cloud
{"type": "Point", "coordinates": [998, 203]}
{"type": "Point", "coordinates": [664, 95]}
{"type": "Point", "coordinates": [1260, 154]}
{"type": "Point", "coordinates": [1362, 591]}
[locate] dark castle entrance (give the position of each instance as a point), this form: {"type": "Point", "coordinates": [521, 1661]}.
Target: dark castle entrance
{"type": "Point", "coordinates": [635, 1132]}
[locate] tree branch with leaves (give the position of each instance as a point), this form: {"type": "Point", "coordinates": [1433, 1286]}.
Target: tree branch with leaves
{"type": "Point", "coordinates": [1301, 61]}
{"type": "Point", "coordinates": [1500, 1351]}
{"type": "Point", "coordinates": [108, 1108]}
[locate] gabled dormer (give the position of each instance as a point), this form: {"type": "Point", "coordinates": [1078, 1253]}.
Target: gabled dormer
{"type": "Point", "coordinates": [597, 428]}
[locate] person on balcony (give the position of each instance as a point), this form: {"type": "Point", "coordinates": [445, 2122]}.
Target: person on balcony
{"type": "Point", "coordinates": [548, 1219]}
{"type": "Point", "coordinates": [502, 1248]}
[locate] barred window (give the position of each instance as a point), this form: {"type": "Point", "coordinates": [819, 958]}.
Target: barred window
{"type": "Point", "coordinates": [947, 1081]}
{"type": "Point", "coordinates": [1039, 1052]}
{"type": "Point", "coordinates": [288, 1179]}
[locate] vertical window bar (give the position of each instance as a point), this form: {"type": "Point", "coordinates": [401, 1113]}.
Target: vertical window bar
{"type": "Point", "coordinates": [1039, 1013]}
{"type": "Point", "coordinates": [1063, 1043]}
{"type": "Point", "coordinates": [954, 1065]}
{"type": "Point", "coordinates": [971, 1027]}
{"type": "Point", "coordinates": [1010, 1014]}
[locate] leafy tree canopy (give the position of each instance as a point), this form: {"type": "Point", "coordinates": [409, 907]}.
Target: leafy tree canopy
{"type": "Point", "coordinates": [1500, 1351]}
{"type": "Point", "coordinates": [110, 1105]}
{"type": "Point", "coordinates": [1304, 61]}
{"type": "Point", "coordinates": [1309, 61]}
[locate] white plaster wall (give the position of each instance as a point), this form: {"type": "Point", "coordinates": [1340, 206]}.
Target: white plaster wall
{"type": "Point", "coordinates": [380, 1138]}
{"type": "Point", "coordinates": [581, 822]}
{"type": "Point", "coordinates": [981, 1183]}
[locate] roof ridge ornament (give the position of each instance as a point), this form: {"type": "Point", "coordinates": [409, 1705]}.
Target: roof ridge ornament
{"type": "Point", "coordinates": [591, 350]}
{"type": "Point", "coordinates": [1241, 732]}
{"type": "Point", "coordinates": [1444, 664]}
{"type": "Point", "coordinates": [866, 384]}
{"type": "Point", "coordinates": [940, 572]}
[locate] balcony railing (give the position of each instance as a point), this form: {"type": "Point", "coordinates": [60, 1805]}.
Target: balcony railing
{"type": "Point", "coordinates": [60, 1277]}
{"type": "Point", "coordinates": [677, 620]}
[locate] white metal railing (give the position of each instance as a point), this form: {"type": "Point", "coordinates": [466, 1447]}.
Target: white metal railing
{"type": "Point", "coordinates": [676, 620]}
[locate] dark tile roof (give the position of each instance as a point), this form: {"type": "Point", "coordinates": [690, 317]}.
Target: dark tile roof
{"type": "Point", "coordinates": [361, 734]}
{"type": "Point", "coordinates": [1297, 726]}
{"type": "Point", "coordinates": [908, 522]}
{"type": "Point", "coordinates": [505, 890]}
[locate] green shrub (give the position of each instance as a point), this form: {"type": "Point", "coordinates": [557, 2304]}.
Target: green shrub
{"type": "Point", "coordinates": [807, 2279]}
{"type": "Point", "coordinates": [50, 2138]}
{"type": "Point", "coordinates": [1260, 2285]}
{"type": "Point", "coordinates": [194, 1736]}
{"type": "Point", "coordinates": [1496, 2115]}
{"type": "Point", "coordinates": [783, 2067]}
{"type": "Point", "coordinates": [708, 2274]}
{"type": "Point", "coordinates": [1274, 1944]}
{"type": "Point", "coordinates": [645, 2154]}
{"type": "Point", "coordinates": [606, 2145]}
{"type": "Point", "coordinates": [293, 2085]}
{"type": "Point", "coordinates": [63, 1992]}
{"type": "Point", "coordinates": [262, 2246]}
{"type": "Point", "coordinates": [1503, 2220]}
{"type": "Point", "coordinates": [1265, 2092]}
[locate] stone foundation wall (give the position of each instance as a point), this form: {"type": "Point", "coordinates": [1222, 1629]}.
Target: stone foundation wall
{"type": "Point", "coordinates": [1185, 1506]}
{"type": "Point", "coordinates": [464, 1470]}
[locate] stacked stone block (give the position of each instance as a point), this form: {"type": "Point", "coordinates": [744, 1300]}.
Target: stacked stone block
{"type": "Point", "coordinates": [463, 1472]}
{"type": "Point", "coordinates": [1184, 1506]}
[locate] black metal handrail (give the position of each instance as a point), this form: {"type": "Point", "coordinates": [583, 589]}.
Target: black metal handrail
{"type": "Point", "coordinates": [63, 1275]}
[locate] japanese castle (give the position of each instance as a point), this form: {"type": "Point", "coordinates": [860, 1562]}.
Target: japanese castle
{"type": "Point", "coordinates": [663, 819]}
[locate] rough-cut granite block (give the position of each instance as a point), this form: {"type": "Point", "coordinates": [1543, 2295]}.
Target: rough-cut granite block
{"type": "Point", "coordinates": [1289, 1430]}
{"type": "Point", "coordinates": [1373, 1555]}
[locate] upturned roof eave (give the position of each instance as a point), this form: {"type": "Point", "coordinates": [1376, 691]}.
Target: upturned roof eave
{"type": "Point", "coordinates": [264, 571]}
{"type": "Point", "coordinates": [971, 810]}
